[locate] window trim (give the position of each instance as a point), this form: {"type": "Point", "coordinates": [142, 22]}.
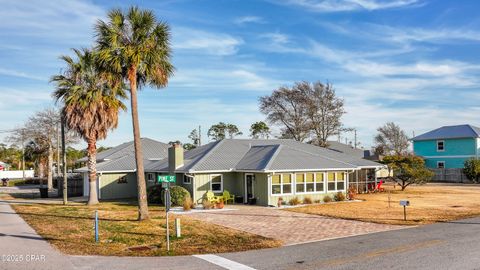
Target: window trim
{"type": "Point", "coordinates": [221, 183]}
{"type": "Point", "coordinates": [292, 177]}
{"type": "Point", "coordinates": [443, 145]}
{"type": "Point", "coordinates": [441, 161]}
{"type": "Point", "coordinates": [189, 177]}
{"type": "Point", "coordinates": [345, 179]}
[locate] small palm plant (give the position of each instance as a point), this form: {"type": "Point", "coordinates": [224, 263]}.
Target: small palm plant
{"type": "Point", "coordinates": [91, 103]}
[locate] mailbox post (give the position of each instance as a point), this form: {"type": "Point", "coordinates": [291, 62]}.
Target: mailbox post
{"type": "Point", "coordinates": [404, 203]}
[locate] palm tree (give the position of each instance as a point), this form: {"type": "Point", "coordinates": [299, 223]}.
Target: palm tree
{"type": "Point", "coordinates": [91, 104]}
{"type": "Point", "coordinates": [135, 45]}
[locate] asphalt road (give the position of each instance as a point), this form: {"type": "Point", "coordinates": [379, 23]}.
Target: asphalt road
{"type": "Point", "coordinates": [452, 245]}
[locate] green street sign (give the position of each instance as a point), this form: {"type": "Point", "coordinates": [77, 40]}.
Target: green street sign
{"type": "Point", "coordinates": [166, 178]}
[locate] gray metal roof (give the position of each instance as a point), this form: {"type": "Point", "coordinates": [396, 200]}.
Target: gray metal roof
{"type": "Point", "coordinates": [450, 132]}
{"type": "Point", "coordinates": [122, 157]}
{"type": "Point", "coordinates": [347, 149]}
{"type": "Point", "coordinates": [273, 154]}
{"type": "Point", "coordinates": [151, 150]}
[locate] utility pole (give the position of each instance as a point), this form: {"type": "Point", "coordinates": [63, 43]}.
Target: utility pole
{"type": "Point", "coordinates": [64, 154]}
{"type": "Point", "coordinates": [199, 135]}
{"type": "Point", "coordinates": [23, 152]}
{"type": "Point", "coordinates": [355, 138]}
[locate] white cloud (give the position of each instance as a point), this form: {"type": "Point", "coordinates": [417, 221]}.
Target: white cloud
{"type": "Point", "coordinates": [19, 74]}
{"type": "Point", "coordinates": [205, 42]}
{"type": "Point", "coordinates": [248, 19]}
{"type": "Point", "coordinates": [349, 5]}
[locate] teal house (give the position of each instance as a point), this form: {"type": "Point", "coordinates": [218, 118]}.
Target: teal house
{"type": "Point", "coordinates": [448, 147]}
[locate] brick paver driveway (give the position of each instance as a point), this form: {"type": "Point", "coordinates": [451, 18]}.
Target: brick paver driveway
{"type": "Point", "coordinates": [289, 227]}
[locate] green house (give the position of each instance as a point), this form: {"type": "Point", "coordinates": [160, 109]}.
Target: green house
{"type": "Point", "coordinates": [116, 169]}
{"type": "Point", "coordinates": [262, 171]}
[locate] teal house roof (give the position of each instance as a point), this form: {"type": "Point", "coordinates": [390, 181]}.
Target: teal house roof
{"type": "Point", "coordinates": [450, 132]}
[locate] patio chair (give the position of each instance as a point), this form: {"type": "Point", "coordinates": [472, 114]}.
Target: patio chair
{"type": "Point", "coordinates": [212, 198]}
{"type": "Point", "coordinates": [228, 197]}
{"type": "Point", "coordinates": [379, 187]}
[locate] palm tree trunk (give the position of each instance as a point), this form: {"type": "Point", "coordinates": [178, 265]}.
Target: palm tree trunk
{"type": "Point", "coordinates": [92, 172]}
{"type": "Point", "coordinates": [50, 167]}
{"type": "Point", "coordinates": [141, 185]}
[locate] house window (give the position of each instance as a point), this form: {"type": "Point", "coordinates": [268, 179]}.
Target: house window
{"type": "Point", "coordinates": [331, 181]}
{"type": "Point", "coordinates": [319, 178]}
{"type": "Point", "coordinates": [282, 183]}
{"type": "Point", "coordinates": [216, 183]}
{"type": "Point", "coordinates": [440, 146]}
{"type": "Point", "coordinates": [341, 181]}
{"type": "Point", "coordinates": [300, 180]}
{"type": "Point", "coordinates": [441, 164]}
{"type": "Point", "coordinates": [122, 180]}
{"type": "Point", "coordinates": [150, 177]}
{"type": "Point", "coordinates": [187, 179]}
{"type": "Point", "coordinates": [309, 182]}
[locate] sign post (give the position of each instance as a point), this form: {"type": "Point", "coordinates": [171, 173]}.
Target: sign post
{"type": "Point", "coordinates": [166, 180]}
{"type": "Point", "coordinates": [404, 203]}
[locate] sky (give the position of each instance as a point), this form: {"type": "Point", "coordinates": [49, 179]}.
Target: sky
{"type": "Point", "coordinates": [413, 62]}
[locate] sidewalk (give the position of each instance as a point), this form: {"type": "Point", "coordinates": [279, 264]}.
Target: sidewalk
{"type": "Point", "coordinates": [22, 248]}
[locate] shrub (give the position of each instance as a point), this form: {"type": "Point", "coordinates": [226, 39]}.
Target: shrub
{"type": "Point", "coordinates": [472, 169]}
{"type": "Point", "coordinates": [178, 195]}
{"type": "Point", "coordinates": [352, 192]}
{"type": "Point", "coordinates": [307, 200]}
{"type": "Point", "coordinates": [206, 204]}
{"type": "Point", "coordinates": [187, 204]}
{"type": "Point", "coordinates": [294, 201]}
{"type": "Point", "coordinates": [155, 194]}
{"type": "Point", "coordinates": [327, 199]}
{"type": "Point", "coordinates": [339, 196]}
{"type": "Point", "coordinates": [318, 201]}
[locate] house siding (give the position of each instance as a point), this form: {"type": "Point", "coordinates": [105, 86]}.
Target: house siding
{"type": "Point", "coordinates": [456, 152]}
{"type": "Point", "coordinates": [111, 189]}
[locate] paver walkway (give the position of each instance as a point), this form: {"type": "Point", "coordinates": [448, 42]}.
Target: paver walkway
{"type": "Point", "coordinates": [289, 227]}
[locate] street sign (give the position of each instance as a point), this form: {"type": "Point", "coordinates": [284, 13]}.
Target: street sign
{"type": "Point", "coordinates": [404, 203]}
{"type": "Point", "coordinates": [166, 178]}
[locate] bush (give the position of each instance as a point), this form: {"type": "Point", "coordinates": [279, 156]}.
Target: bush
{"type": "Point", "coordinates": [178, 195]}
{"type": "Point", "coordinates": [294, 201]}
{"type": "Point", "coordinates": [307, 200]}
{"type": "Point", "coordinates": [206, 204]}
{"type": "Point", "coordinates": [339, 196]}
{"type": "Point", "coordinates": [472, 169]}
{"type": "Point", "coordinates": [318, 201]}
{"type": "Point", "coordinates": [155, 194]}
{"type": "Point", "coordinates": [187, 204]}
{"type": "Point", "coordinates": [327, 199]}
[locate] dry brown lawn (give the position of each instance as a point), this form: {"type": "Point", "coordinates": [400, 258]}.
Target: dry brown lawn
{"type": "Point", "coordinates": [428, 204]}
{"type": "Point", "coordinates": [70, 229]}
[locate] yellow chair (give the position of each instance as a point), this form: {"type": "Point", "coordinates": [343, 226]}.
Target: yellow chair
{"type": "Point", "coordinates": [228, 197]}
{"type": "Point", "coordinates": [212, 198]}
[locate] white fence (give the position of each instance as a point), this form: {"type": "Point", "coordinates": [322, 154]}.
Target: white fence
{"type": "Point", "coordinates": [16, 174]}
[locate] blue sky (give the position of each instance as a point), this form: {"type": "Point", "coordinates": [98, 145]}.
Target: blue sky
{"type": "Point", "coordinates": [414, 62]}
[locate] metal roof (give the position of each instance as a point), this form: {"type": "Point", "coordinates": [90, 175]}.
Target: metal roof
{"type": "Point", "coordinates": [262, 155]}
{"type": "Point", "coordinates": [348, 149]}
{"type": "Point", "coordinates": [450, 132]}
{"type": "Point", "coordinates": [122, 157]}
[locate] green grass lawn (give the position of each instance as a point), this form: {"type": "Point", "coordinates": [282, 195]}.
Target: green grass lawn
{"type": "Point", "coordinates": [70, 229]}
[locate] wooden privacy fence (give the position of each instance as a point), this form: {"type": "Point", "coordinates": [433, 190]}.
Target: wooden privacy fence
{"type": "Point", "coordinates": [74, 186]}
{"type": "Point", "coordinates": [450, 176]}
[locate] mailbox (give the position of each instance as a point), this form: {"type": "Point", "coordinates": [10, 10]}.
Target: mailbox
{"type": "Point", "coordinates": [404, 203]}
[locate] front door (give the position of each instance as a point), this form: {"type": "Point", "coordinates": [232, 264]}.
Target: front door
{"type": "Point", "coordinates": [249, 192]}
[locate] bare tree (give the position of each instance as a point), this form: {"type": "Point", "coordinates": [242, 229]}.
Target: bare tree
{"type": "Point", "coordinates": [324, 110]}
{"type": "Point", "coordinates": [391, 140]}
{"type": "Point", "coordinates": [286, 107]}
